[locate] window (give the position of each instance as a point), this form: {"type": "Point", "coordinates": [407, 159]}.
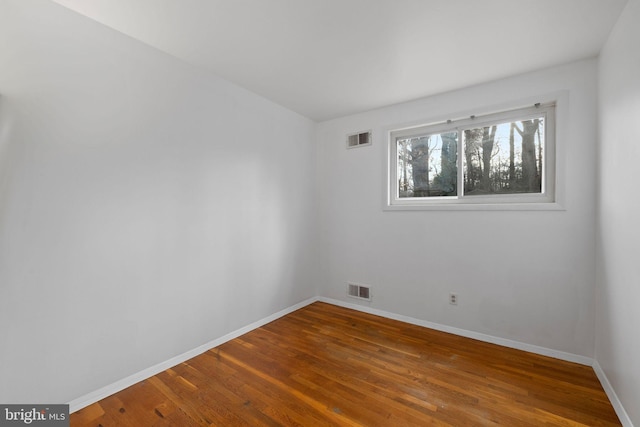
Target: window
{"type": "Point", "coordinates": [498, 159]}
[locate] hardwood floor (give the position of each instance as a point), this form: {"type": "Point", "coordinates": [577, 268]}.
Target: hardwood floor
{"type": "Point", "coordinates": [327, 365]}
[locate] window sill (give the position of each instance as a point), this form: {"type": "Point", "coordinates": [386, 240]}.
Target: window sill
{"type": "Point", "coordinates": [547, 206]}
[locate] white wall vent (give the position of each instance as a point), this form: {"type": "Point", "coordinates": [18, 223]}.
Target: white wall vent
{"type": "Point", "coordinates": [359, 291]}
{"type": "Point", "coordinates": [359, 139]}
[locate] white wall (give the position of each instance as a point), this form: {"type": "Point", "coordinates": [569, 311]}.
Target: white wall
{"type": "Point", "coordinates": [523, 275]}
{"type": "Point", "coordinates": [146, 208]}
{"type": "Point", "coordinates": [618, 297]}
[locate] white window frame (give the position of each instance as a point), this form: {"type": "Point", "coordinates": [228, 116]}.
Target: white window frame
{"type": "Point", "coordinates": [546, 200]}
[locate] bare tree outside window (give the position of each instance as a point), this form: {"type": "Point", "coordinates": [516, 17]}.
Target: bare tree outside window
{"type": "Point", "coordinates": [505, 158]}
{"type": "Point", "coordinates": [499, 158]}
{"type": "Point", "coordinates": [427, 165]}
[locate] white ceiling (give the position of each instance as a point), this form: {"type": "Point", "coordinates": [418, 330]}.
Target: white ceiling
{"type": "Point", "coordinates": [329, 58]}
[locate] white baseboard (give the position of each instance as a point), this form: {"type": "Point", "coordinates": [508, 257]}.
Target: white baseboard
{"type": "Point", "coordinates": [611, 394]}
{"type": "Point", "coordinates": [90, 398]}
{"type": "Point", "coordinates": [110, 389]}
{"type": "Point", "coordinates": [569, 357]}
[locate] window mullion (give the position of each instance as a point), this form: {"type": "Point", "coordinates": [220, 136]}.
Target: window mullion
{"type": "Point", "coordinates": [460, 164]}
{"type": "Point", "coordinates": [499, 184]}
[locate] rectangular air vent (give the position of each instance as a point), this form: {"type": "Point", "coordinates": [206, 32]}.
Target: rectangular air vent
{"type": "Point", "coordinates": [359, 139]}
{"type": "Point", "coordinates": [359, 291]}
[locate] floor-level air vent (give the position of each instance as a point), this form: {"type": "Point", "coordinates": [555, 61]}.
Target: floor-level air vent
{"type": "Point", "coordinates": [359, 291]}
{"type": "Point", "coordinates": [359, 139]}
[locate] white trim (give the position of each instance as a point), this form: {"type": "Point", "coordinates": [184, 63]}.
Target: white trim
{"type": "Point", "coordinates": [557, 354]}
{"type": "Point", "coordinates": [93, 397]}
{"type": "Point", "coordinates": [458, 206]}
{"type": "Point", "coordinates": [569, 357]}
{"type": "Point", "coordinates": [552, 197]}
{"type": "Point", "coordinates": [110, 389]}
{"type": "Point", "coordinates": [611, 394]}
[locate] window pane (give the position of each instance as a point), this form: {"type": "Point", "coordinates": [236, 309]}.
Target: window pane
{"type": "Point", "coordinates": [427, 165]}
{"type": "Point", "coordinates": [505, 158]}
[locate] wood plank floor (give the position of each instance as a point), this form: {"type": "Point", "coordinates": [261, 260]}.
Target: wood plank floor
{"type": "Point", "coordinates": [327, 365]}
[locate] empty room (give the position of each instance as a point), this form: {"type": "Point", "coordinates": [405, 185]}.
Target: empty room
{"type": "Point", "coordinates": [319, 212]}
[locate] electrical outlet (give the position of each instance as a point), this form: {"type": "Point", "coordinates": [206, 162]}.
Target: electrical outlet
{"type": "Point", "coordinates": [453, 299]}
